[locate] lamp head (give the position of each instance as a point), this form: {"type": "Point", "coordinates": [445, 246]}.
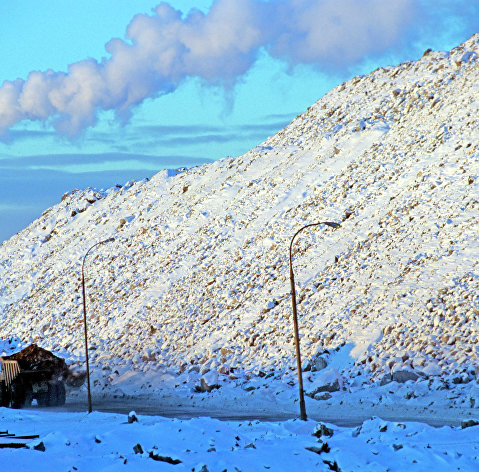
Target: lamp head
{"type": "Point", "coordinates": [332, 224]}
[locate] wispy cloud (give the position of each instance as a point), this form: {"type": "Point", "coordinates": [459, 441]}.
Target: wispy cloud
{"type": "Point", "coordinates": [94, 162]}
{"type": "Point", "coordinates": [19, 134]}
{"type": "Point", "coordinates": [146, 143]}
{"type": "Point", "coordinates": [15, 207]}
{"type": "Point", "coordinates": [181, 136]}
{"type": "Point", "coordinates": [162, 49]}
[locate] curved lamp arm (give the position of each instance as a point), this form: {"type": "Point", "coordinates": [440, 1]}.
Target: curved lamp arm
{"type": "Point", "coordinates": [84, 317]}
{"type": "Point", "coordinates": [302, 405]}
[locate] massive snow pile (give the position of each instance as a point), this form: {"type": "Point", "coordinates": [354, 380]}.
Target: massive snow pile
{"type": "Point", "coordinates": [197, 278]}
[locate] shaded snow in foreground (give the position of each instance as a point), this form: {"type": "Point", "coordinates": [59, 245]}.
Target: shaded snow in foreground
{"type": "Point", "coordinates": [102, 441]}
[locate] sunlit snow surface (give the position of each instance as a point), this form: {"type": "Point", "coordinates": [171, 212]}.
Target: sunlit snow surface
{"type": "Point", "coordinates": [104, 442]}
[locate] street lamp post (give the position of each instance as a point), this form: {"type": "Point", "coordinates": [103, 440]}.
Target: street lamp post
{"type": "Point", "coordinates": [84, 319]}
{"type": "Point", "coordinates": [302, 405]}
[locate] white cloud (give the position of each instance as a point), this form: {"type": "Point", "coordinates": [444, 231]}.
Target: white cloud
{"type": "Point", "coordinates": [10, 108]}
{"type": "Point", "coordinates": [164, 48]}
{"type": "Point", "coordinates": [336, 33]}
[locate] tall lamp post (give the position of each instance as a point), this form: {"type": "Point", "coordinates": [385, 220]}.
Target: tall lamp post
{"type": "Point", "coordinates": [302, 405]}
{"type": "Point", "coordinates": [84, 319]}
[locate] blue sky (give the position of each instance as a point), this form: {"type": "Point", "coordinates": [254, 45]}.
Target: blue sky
{"type": "Point", "coordinates": [95, 93]}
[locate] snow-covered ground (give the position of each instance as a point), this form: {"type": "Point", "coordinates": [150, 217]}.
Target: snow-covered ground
{"type": "Point", "coordinates": [193, 293]}
{"type": "Point", "coordinates": [105, 441]}
{"type": "Point", "coordinates": [373, 435]}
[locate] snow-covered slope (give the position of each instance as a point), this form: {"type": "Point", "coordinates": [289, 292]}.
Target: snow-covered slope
{"type": "Point", "coordinates": [197, 277]}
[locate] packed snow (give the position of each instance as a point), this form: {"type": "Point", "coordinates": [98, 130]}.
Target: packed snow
{"type": "Point", "coordinates": [191, 301]}
{"type": "Point", "coordinates": [106, 441]}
